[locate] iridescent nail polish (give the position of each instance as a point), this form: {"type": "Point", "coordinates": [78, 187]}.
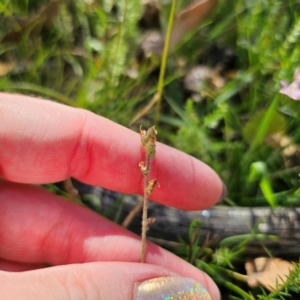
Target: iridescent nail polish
{"type": "Point", "coordinates": [170, 288]}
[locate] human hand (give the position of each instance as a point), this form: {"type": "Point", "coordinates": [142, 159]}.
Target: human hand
{"type": "Point", "coordinates": [91, 257]}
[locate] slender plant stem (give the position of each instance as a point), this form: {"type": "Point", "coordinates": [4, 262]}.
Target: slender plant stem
{"type": "Point", "coordinates": [148, 139]}
{"type": "Point", "coordinates": [145, 209]}
{"type": "Point", "coordinates": [133, 212]}
{"type": "Point", "coordinates": [160, 85]}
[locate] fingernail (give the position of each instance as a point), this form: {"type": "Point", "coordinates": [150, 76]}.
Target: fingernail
{"type": "Point", "coordinates": [224, 192]}
{"type": "Point", "coordinates": [165, 288]}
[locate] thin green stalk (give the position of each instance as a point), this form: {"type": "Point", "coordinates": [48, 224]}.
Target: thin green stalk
{"type": "Point", "coordinates": [215, 272]}
{"type": "Point", "coordinates": [263, 127]}
{"type": "Point", "coordinates": [160, 85]}
{"type": "Point", "coordinates": [230, 273]}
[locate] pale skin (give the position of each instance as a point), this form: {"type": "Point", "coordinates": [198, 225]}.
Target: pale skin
{"type": "Point", "coordinates": [91, 257]}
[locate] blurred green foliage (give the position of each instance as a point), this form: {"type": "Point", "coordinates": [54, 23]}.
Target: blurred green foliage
{"type": "Point", "coordinates": [77, 52]}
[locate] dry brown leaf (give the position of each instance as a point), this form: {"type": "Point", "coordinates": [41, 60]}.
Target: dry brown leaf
{"type": "Point", "coordinates": [267, 272]}
{"type": "Point", "coordinates": [189, 18]}
{"type": "Point", "coordinates": [285, 142]}
{"type": "Point", "coordinates": [186, 20]}
{"type": "Point", "coordinates": [6, 67]}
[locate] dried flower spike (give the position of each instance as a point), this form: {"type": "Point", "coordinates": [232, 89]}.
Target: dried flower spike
{"type": "Point", "coordinates": [143, 135]}
{"type": "Point", "coordinates": [151, 185]}
{"type": "Point", "coordinates": [148, 139]}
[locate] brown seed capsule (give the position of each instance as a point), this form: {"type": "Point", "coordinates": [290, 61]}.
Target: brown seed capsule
{"type": "Point", "coordinates": [151, 185]}
{"type": "Point", "coordinates": [144, 138]}
{"type": "Point", "coordinates": [150, 149]}
{"type": "Point", "coordinates": [151, 131]}
{"type": "Point", "coordinates": [150, 221]}
{"type": "Point", "coordinates": [144, 168]}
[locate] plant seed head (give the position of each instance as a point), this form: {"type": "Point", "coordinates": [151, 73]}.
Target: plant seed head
{"type": "Point", "coordinates": [151, 185]}
{"type": "Point", "coordinates": [143, 167]}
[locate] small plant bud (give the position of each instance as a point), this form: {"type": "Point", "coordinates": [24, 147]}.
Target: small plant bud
{"type": "Point", "coordinates": [151, 185]}
{"type": "Point", "coordinates": [143, 135]}
{"type": "Point", "coordinates": [150, 221]}
{"type": "Point", "coordinates": [148, 140]}
{"type": "Point", "coordinates": [144, 168]}
{"type": "Point", "coordinates": [152, 139]}
{"type": "Point", "coordinates": [150, 149]}
{"type": "Point", "coordinates": [151, 132]}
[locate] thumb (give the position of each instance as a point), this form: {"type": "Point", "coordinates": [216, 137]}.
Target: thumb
{"type": "Point", "coordinates": [103, 280]}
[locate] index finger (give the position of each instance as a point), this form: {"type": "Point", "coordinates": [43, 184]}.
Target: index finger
{"type": "Point", "coordinates": [42, 141]}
